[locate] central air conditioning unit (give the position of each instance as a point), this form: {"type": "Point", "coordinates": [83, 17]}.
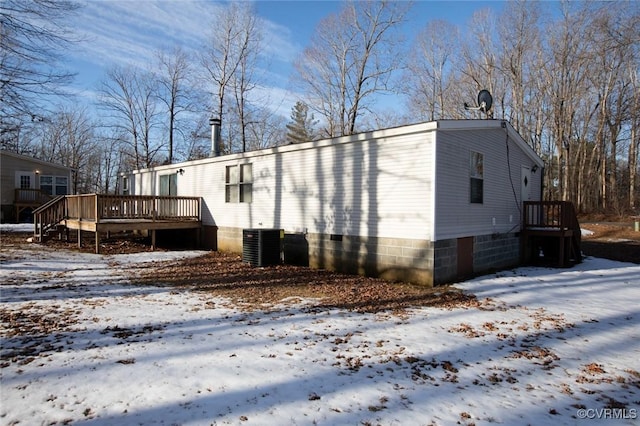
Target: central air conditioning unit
{"type": "Point", "coordinates": [261, 247]}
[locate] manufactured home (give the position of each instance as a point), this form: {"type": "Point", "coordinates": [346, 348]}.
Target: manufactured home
{"type": "Point", "coordinates": [430, 203]}
{"type": "Point", "coordinates": [27, 183]}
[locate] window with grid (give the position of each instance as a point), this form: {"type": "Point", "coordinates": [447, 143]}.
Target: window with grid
{"type": "Point", "coordinates": [25, 182]}
{"type": "Point", "coordinates": [239, 184]}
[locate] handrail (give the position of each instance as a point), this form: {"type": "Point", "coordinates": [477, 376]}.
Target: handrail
{"type": "Point", "coordinates": [552, 215]}
{"type": "Point", "coordinates": [49, 215]}
{"type": "Point", "coordinates": [48, 204]}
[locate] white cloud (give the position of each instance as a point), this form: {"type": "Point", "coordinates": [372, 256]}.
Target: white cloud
{"type": "Point", "coordinates": [129, 33]}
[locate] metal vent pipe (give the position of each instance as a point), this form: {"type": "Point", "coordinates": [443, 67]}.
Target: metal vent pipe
{"type": "Point", "coordinates": [215, 136]}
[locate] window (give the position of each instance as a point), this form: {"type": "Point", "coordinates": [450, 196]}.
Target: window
{"type": "Point", "coordinates": [25, 182]}
{"type": "Point", "coordinates": [239, 184]}
{"type": "Point", "coordinates": [125, 185]}
{"type": "Point", "coordinates": [61, 185]}
{"type": "Point", "coordinates": [476, 177]}
{"type": "Point", "coordinates": [46, 184]}
{"type": "Point", "coordinates": [169, 184]}
{"type": "Point", "coordinates": [54, 185]}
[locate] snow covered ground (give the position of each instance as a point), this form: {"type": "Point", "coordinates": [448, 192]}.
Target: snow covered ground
{"type": "Point", "coordinates": [545, 346]}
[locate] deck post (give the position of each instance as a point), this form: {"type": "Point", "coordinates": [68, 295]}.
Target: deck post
{"type": "Point", "coordinates": [79, 238]}
{"type": "Point", "coordinates": [153, 239]}
{"type": "Point", "coordinates": [561, 250]}
{"type": "Point", "coordinates": [97, 242]}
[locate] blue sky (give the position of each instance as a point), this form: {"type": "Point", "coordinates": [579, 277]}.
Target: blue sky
{"type": "Point", "coordinates": [129, 32]}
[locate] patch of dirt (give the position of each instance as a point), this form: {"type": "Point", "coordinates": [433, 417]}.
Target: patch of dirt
{"type": "Point", "coordinates": [610, 240]}
{"type": "Point", "coordinates": [117, 244]}
{"type": "Point", "coordinates": [225, 275]}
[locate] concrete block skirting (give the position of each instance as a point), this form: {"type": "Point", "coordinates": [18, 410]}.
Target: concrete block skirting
{"type": "Point", "coordinates": [490, 253]}
{"type": "Point", "coordinates": [445, 261]}
{"type": "Point", "coordinates": [495, 252]}
{"type": "Point", "coordinates": [393, 259]}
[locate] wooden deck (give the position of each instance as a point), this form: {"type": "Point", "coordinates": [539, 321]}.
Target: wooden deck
{"type": "Point", "coordinates": [29, 199]}
{"type": "Point", "coordinates": [551, 231]}
{"type": "Point", "coordinates": [103, 214]}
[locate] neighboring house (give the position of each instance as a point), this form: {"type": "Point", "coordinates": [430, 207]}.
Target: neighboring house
{"type": "Point", "coordinates": [27, 183]}
{"type": "Point", "coordinates": [430, 203]}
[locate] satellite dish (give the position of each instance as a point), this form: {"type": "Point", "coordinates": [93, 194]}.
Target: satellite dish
{"type": "Point", "coordinates": [485, 101]}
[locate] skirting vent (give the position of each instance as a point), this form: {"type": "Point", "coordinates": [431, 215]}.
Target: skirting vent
{"type": "Point", "coordinates": [261, 247]}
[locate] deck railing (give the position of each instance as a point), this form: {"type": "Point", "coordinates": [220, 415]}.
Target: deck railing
{"type": "Point", "coordinates": [154, 207]}
{"type": "Point", "coordinates": [553, 225]}
{"type": "Point", "coordinates": [98, 207]}
{"type": "Point", "coordinates": [551, 215]}
{"type": "Point", "coordinates": [30, 196]}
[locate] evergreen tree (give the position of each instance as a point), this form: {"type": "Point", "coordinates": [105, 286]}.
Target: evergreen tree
{"type": "Point", "coordinates": [300, 128]}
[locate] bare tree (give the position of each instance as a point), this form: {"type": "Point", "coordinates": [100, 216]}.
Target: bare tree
{"type": "Point", "coordinates": [33, 36]}
{"type": "Point", "coordinates": [520, 43]}
{"type": "Point", "coordinates": [173, 77]}
{"type": "Point", "coordinates": [266, 129]}
{"type": "Point", "coordinates": [428, 72]}
{"type": "Point", "coordinates": [564, 79]}
{"type": "Point", "coordinates": [228, 59]}
{"type": "Point", "coordinates": [244, 79]}
{"type": "Point", "coordinates": [353, 55]}
{"type": "Point", "coordinates": [128, 95]}
{"type": "Point", "coordinates": [478, 65]}
{"type": "Point", "coordinates": [111, 163]}
{"type": "Point", "coordinates": [634, 144]}
{"type": "Point", "coordinates": [68, 138]}
{"type": "Point", "coordinates": [198, 142]}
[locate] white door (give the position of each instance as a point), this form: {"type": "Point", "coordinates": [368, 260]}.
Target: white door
{"type": "Point", "coordinates": [525, 184]}
{"type": "Point", "coordinates": [25, 180]}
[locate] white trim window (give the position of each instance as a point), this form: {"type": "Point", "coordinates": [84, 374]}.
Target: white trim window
{"type": "Point", "coordinates": [476, 178]}
{"type": "Point", "coordinates": [239, 184]}
{"type": "Point", "coordinates": [54, 185]}
{"type": "Point", "coordinates": [25, 181]}
{"type": "Point", "coordinates": [125, 185]}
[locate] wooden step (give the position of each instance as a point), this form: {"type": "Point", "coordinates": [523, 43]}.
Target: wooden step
{"type": "Point", "coordinates": [55, 231]}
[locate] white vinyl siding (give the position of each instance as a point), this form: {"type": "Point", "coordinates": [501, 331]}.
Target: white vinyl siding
{"type": "Point", "coordinates": [476, 177]}
{"type": "Point", "coordinates": [376, 187]}
{"type": "Point", "coordinates": [379, 185]}
{"type": "Point", "coordinates": [500, 211]}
